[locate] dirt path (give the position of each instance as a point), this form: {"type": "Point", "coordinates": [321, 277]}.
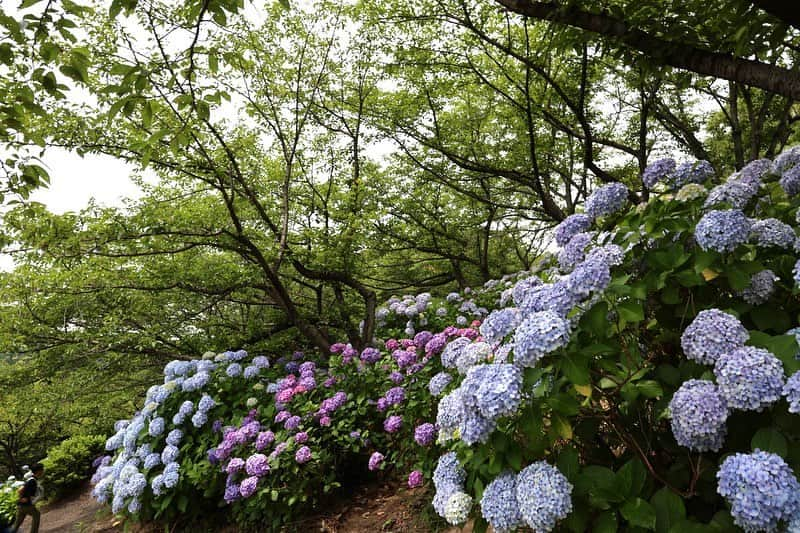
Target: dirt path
{"type": "Point", "coordinates": [377, 508]}
{"type": "Point", "coordinates": [79, 513]}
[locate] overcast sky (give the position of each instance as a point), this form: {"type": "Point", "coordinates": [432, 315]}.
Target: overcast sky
{"type": "Point", "coordinates": [75, 180]}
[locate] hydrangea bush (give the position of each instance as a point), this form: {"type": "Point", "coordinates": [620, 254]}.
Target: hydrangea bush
{"type": "Point", "coordinates": [644, 377]}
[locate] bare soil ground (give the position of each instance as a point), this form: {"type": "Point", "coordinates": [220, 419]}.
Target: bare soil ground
{"type": "Point", "coordinates": [372, 509]}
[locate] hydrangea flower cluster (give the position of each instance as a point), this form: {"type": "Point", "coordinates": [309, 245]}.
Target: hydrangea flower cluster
{"type": "Point", "coordinates": [606, 200]}
{"type": "Point", "coordinates": [792, 392]}
{"type": "Point", "coordinates": [760, 488]}
{"type": "Point", "coordinates": [699, 413]}
{"type": "Point", "coordinates": [722, 231]}
{"type": "Point", "coordinates": [711, 334]}
{"type": "Point", "coordinates": [690, 172]}
{"type": "Point", "coordinates": [690, 191]}
{"type": "Point", "coordinates": [657, 171]}
{"type": "Point", "coordinates": [749, 378]}
{"type": "Point", "coordinates": [500, 323]}
{"type": "Point", "coordinates": [544, 496]}
{"type": "Point", "coordinates": [571, 226]}
{"type": "Point", "coordinates": [448, 478]}
{"type": "Point", "coordinates": [734, 193]}
{"type": "Point", "coordinates": [499, 504]}
{"type": "Point", "coordinates": [772, 232]}
{"type": "Point", "coordinates": [488, 392]}
{"type": "Point", "coordinates": [538, 335]}
{"type": "Point", "coordinates": [574, 251]}
{"type": "Point", "coordinates": [762, 285]}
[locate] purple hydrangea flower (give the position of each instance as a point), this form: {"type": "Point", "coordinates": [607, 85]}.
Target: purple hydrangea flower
{"type": "Point", "coordinates": [657, 171]}
{"type": "Point", "coordinates": [790, 181]}
{"type": "Point", "coordinates": [711, 334]}
{"type": "Point", "coordinates": [699, 413]}
{"type": "Point", "coordinates": [606, 200]}
{"type": "Point", "coordinates": [375, 461]}
{"type": "Point", "coordinates": [573, 253]}
{"type": "Point", "coordinates": [395, 395]}
{"type": "Point", "coordinates": [393, 423]}
{"type": "Point", "coordinates": [415, 479]}
{"type": "Point", "coordinates": [722, 231]}
{"type": "Point", "coordinates": [690, 172]}
{"type": "Point", "coordinates": [425, 434]}
{"type": "Point", "coordinates": [303, 455]}
{"type": "Point", "coordinates": [371, 355]}
{"type": "Point", "coordinates": [749, 378]}
{"type": "Point", "coordinates": [234, 370]}
{"type": "Point", "coordinates": [248, 486]}
{"type": "Point", "coordinates": [571, 226]}
{"type": "Point", "coordinates": [257, 465]}
{"type": "Point", "coordinates": [236, 464]}
{"type": "Point", "coordinates": [292, 422]}
{"type": "Point", "coordinates": [760, 488]}
{"type": "Point", "coordinates": [301, 437]}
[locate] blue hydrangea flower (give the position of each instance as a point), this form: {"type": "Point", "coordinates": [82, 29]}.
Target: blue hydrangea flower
{"type": "Point", "coordinates": [772, 232]}
{"type": "Point", "coordinates": [574, 252]}
{"type": "Point", "coordinates": [553, 297]}
{"type": "Point", "coordinates": [699, 413]}
{"type": "Point", "coordinates": [610, 254]}
{"type": "Point", "coordinates": [762, 285]}
{"type": "Point", "coordinates": [796, 272]}
{"type": "Point", "coordinates": [206, 403]}
{"type": "Point", "coordinates": [251, 372]}
{"type": "Point", "coordinates": [690, 172]}
{"type": "Point", "coordinates": [156, 427]}
{"type": "Point", "coordinates": [571, 226]}
{"type": "Point", "coordinates": [711, 334]}
{"type": "Point", "coordinates": [234, 370]}
{"type": "Point", "coordinates": [199, 419]}
{"type": "Point", "coordinates": [174, 437]}
{"type": "Point", "coordinates": [499, 504]}
{"type": "Point", "coordinates": [749, 378]}
{"type": "Point", "coordinates": [471, 355]}
{"type": "Point", "coordinates": [450, 411]}
{"type": "Point", "coordinates": [790, 181]}
{"type": "Point", "coordinates": [438, 383]}
{"type": "Point", "coordinates": [169, 454]}
{"type": "Point", "coordinates": [792, 392]}
{"type": "Point", "coordinates": [452, 351]}
{"type": "Point", "coordinates": [152, 460]}
{"type": "Point", "coordinates": [657, 171]}
{"type": "Point", "coordinates": [606, 200]}
{"type": "Point", "coordinates": [760, 488]}
{"type": "Point", "coordinates": [500, 323]}
{"type": "Point", "coordinates": [449, 471]}
{"type": "Point", "coordinates": [457, 508]}
{"type": "Point", "coordinates": [538, 335]}
{"type": "Point", "coordinates": [495, 389]}
{"type": "Point", "coordinates": [734, 193]}
{"type": "Point", "coordinates": [544, 495]}
{"type": "Point", "coordinates": [523, 287]}
{"type": "Point", "coordinates": [753, 171]}
{"type": "Point", "coordinates": [722, 231]}
{"type": "Point", "coordinates": [475, 427]}
{"type": "Point", "coordinates": [589, 277]}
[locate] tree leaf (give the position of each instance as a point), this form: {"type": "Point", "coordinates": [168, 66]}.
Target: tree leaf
{"type": "Point", "coordinates": [639, 513]}
{"type": "Point", "coordinates": [770, 440]}
{"type": "Point", "coordinates": [669, 508]}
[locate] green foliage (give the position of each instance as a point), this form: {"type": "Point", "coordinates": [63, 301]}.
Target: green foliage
{"type": "Point", "coordinates": [8, 501]}
{"type": "Point", "coordinates": [69, 463]}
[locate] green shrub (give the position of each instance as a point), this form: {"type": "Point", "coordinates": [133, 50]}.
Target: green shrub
{"type": "Point", "coordinates": [69, 463]}
{"type": "Point", "coordinates": [8, 501]}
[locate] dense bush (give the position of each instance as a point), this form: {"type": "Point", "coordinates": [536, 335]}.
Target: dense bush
{"type": "Point", "coordinates": [8, 500]}
{"type": "Point", "coordinates": [645, 378]}
{"type": "Point", "coordinates": [70, 463]}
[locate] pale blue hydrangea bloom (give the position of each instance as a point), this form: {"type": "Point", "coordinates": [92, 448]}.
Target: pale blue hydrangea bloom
{"type": "Point", "coordinates": [657, 171]}
{"type": "Point", "coordinates": [438, 383]}
{"type": "Point", "coordinates": [760, 488]}
{"type": "Point", "coordinates": [749, 378]}
{"type": "Point", "coordinates": [772, 232]}
{"type": "Point", "coordinates": [792, 392]}
{"type": "Point", "coordinates": [457, 508]}
{"type": "Point", "coordinates": [571, 226]}
{"type": "Point", "coordinates": [500, 323]}
{"type": "Point", "coordinates": [606, 200]}
{"type": "Point", "coordinates": [722, 231]}
{"type": "Point", "coordinates": [538, 335]}
{"type": "Point", "coordinates": [499, 505]}
{"type": "Point", "coordinates": [762, 285]}
{"type": "Point", "coordinates": [711, 334]}
{"type": "Point", "coordinates": [544, 495]}
{"type": "Point", "coordinates": [699, 413]}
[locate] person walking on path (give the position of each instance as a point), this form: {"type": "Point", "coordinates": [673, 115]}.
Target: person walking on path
{"type": "Point", "coordinates": [29, 494]}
